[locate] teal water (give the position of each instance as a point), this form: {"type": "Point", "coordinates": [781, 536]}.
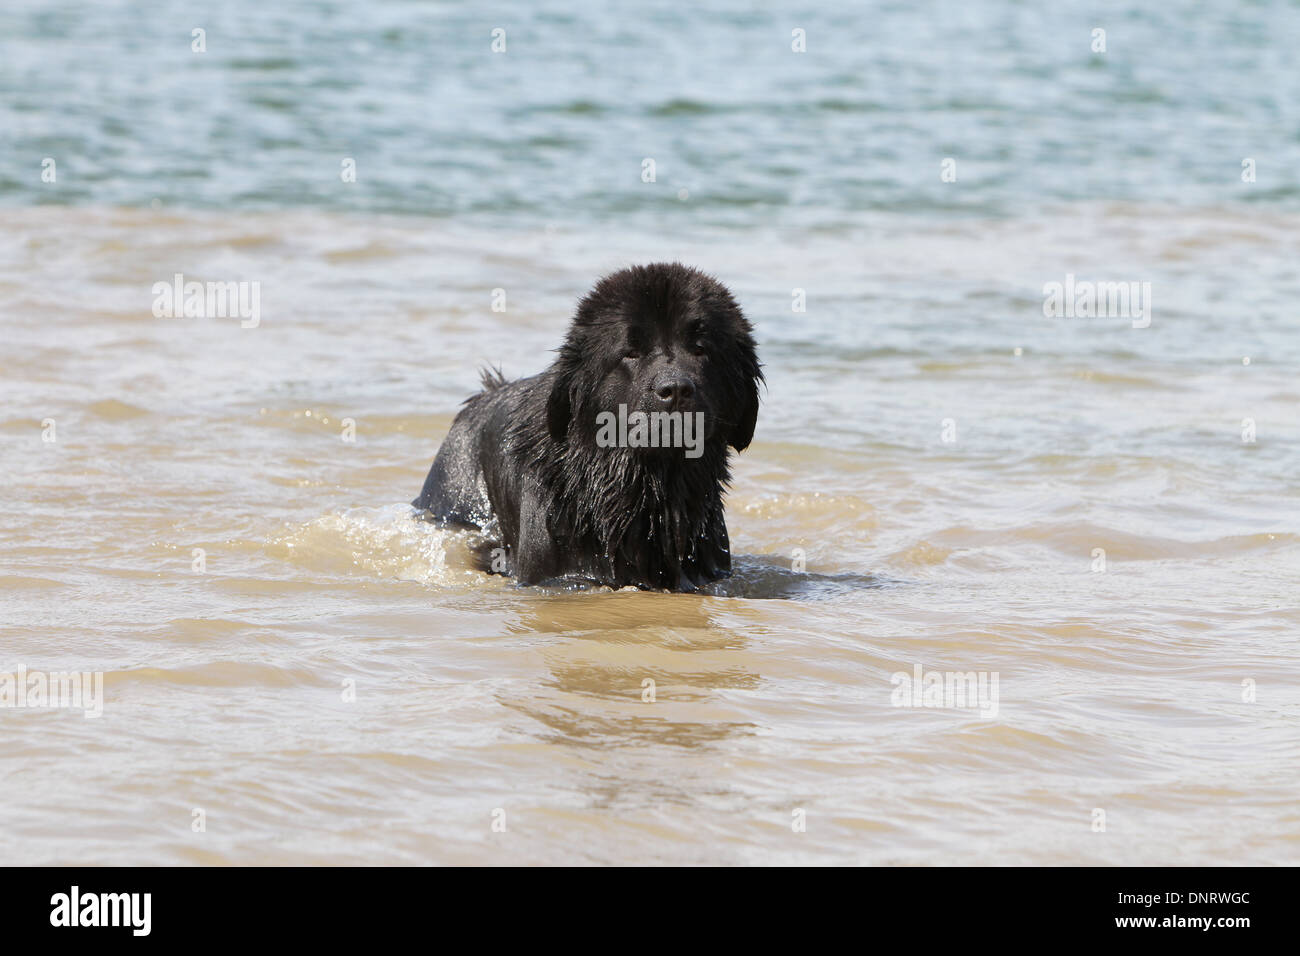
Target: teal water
{"type": "Point", "coordinates": [554, 130]}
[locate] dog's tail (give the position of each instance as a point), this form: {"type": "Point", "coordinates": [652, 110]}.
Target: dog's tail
{"type": "Point", "coordinates": [492, 378]}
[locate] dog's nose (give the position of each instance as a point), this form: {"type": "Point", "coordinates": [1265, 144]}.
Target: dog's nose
{"type": "Point", "coordinates": [674, 390]}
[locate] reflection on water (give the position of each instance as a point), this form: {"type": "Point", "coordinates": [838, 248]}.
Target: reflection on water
{"type": "Point", "coordinates": [621, 667]}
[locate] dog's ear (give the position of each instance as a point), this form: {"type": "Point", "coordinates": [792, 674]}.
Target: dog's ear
{"type": "Point", "coordinates": [743, 431]}
{"type": "Point", "coordinates": [558, 408]}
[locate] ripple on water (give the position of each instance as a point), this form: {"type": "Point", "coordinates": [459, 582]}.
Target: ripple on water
{"type": "Point", "coordinates": [388, 543]}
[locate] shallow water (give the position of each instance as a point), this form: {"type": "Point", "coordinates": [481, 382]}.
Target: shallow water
{"type": "Point", "coordinates": [868, 544]}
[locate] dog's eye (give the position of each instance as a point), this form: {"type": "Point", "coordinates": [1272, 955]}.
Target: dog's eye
{"type": "Point", "coordinates": [632, 354]}
{"type": "Point", "coordinates": [698, 347]}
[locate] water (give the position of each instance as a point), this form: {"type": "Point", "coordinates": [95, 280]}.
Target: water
{"type": "Point", "coordinates": [1120, 690]}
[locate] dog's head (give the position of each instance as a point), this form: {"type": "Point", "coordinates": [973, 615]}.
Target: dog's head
{"type": "Point", "coordinates": [661, 338]}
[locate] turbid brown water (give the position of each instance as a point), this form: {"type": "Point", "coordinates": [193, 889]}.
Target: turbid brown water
{"type": "Point", "coordinates": [942, 478]}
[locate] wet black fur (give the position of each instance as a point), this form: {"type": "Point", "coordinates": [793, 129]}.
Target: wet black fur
{"type": "Point", "coordinates": [521, 462]}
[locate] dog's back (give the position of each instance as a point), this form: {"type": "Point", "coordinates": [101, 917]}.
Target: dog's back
{"type": "Point", "coordinates": [454, 491]}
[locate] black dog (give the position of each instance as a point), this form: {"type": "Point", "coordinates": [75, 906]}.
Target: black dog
{"type": "Point", "coordinates": [610, 465]}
